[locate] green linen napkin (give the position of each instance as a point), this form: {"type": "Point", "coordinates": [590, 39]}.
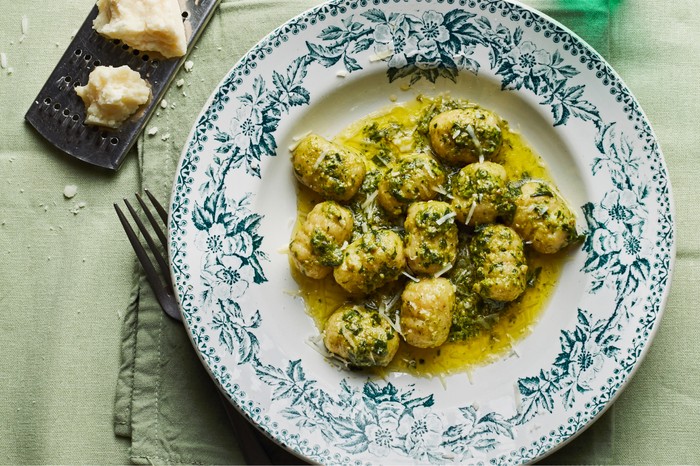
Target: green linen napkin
{"type": "Point", "coordinates": [165, 401]}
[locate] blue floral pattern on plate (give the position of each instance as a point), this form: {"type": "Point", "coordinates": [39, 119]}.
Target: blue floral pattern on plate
{"type": "Point", "coordinates": [220, 262]}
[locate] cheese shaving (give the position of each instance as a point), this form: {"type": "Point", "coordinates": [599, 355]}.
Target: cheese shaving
{"type": "Point", "coordinates": [25, 25]}
{"type": "Point", "coordinates": [3, 60]}
{"type": "Point", "coordinates": [472, 134]}
{"type": "Point", "coordinates": [411, 277]}
{"type": "Point", "coordinates": [379, 56]}
{"type": "Point", "coordinates": [320, 159]}
{"type": "Point", "coordinates": [393, 325]}
{"type": "Point", "coordinates": [370, 199]}
{"type": "Point", "coordinates": [445, 218]}
{"type": "Point", "coordinates": [441, 190]}
{"type": "Point", "coordinates": [443, 270]}
{"type": "Point", "coordinates": [471, 212]}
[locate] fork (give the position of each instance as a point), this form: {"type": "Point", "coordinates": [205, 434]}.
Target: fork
{"type": "Point", "coordinates": [253, 443]}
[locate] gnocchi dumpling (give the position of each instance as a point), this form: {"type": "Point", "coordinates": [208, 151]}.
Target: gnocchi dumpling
{"type": "Point", "coordinates": [499, 257]}
{"type": "Point", "coordinates": [372, 260]}
{"type": "Point", "coordinates": [316, 246]}
{"type": "Point", "coordinates": [542, 217]}
{"type": "Point", "coordinates": [360, 336]}
{"type": "Point", "coordinates": [417, 177]}
{"type": "Point", "coordinates": [465, 136]}
{"type": "Point", "coordinates": [333, 171]}
{"type": "Point", "coordinates": [431, 237]}
{"type": "Point", "coordinates": [426, 312]}
{"type": "Point", "coordinates": [480, 194]}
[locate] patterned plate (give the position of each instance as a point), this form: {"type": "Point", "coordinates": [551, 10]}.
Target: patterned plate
{"type": "Point", "coordinates": [233, 208]}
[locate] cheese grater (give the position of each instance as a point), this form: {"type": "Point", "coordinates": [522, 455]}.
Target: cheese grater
{"type": "Point", "coordinates": [58, 113]}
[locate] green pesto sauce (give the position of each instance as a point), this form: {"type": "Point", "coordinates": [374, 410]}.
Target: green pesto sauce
{"type": "Point", "coordinates": [481, 331]}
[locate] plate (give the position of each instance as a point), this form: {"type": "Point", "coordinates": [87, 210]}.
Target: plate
{"type": "Point", "coordinates": [233, 208]}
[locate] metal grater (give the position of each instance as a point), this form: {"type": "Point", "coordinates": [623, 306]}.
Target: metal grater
{"type": "Point", "coordinates": [58, 113]}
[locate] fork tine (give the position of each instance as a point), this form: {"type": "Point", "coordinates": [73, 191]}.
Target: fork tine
{"type": "Point", "coordinates": [141, 253]}
{"type": "Point", "coordinates": [165, 270]}
{"type": "Point", "coordinates": [161, 211]}
{"type": "Point", "coordinates": [156, 227]}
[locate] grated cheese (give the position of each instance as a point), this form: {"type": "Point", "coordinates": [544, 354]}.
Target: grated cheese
{"type": "Point", "coordinates": [443, 270]}
{"type": "Point", "coordinates": [441, 190]}
{"type": "Point", "coordinates": [446, 217]}
{"type": "Point", "coordinates": [341, 73]}
{"type": "Point", "coordinates": [471, 212]}
{"type": "Point", "coordinates": [411, 277]}
{"type": "Point", "coordinates": [3, 60]}
{"type": "Point", "coordinates": [472, 134]}
{"type": "Point", "coordinates": [320, 159]}
{"type": "Point", "coordinates": [379, 56]}
{"type": "Point", "coordinates": [25, 25]}
{"type": "Point", "coordinates": [370, 199]}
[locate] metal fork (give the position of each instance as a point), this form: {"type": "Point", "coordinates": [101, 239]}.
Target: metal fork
{"type": "Point", "coordinates": [253, 443]}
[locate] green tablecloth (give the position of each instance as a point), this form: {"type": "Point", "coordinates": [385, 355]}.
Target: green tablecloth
{"type": "Point", "coordinates": [70, 332]}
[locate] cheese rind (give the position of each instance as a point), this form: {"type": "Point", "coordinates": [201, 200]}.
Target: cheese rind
{"type": "Point", "coordinates": [145, 25]}
{"type": "Point", "coordinates": [112, 95]}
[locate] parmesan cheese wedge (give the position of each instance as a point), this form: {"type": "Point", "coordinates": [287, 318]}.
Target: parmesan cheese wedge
{"type": "Point", "coordinates": [112, 95]}
{"type": "Point", "coordinates": [145, 25]}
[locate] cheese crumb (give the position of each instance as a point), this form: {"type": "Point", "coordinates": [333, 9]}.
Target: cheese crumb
{"type": "Point", "coordinates": [189, 64]}
{"type": "Point", "coordinates": [165, 137]}
{"type": "Point", "coordinates": [70, 191]}
{"type": "Point", "coordinates": [3, 60]}
{"type": "Point", "coordinates": [341, 73]}
{"type": "Point", "coordinates": [180, 82]}
{"type": "Point", "coordinates": [112, 95]}
{"type": "Point", "coordinates": [163, 104]}
{"type": "Point", "coordinates": [153, 131]}
{"type": "Point", "coordinates": [148, 26]}
{"type": "Point", "coordinates": [379, 56]}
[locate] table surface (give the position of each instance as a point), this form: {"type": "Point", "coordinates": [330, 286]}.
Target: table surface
{"type": "Point", "coordinates": [66, 269]}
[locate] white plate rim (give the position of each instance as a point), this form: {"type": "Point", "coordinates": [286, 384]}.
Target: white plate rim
{"type": "Point", "coordinates": [615, 82]}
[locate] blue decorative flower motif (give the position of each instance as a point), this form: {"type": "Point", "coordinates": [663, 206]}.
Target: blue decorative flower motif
{"type": "Point", "coordinates": [382, 431]}
{"type": "Point", "coordinates": [227, 277]}
{"type": "Point", "coordinates": [530, 66]}
{"type": "Point", "coordinates": [247, 126]}
{"type": "Point", "coordinates": [395, 39]}
{"type": "Point", "coordinates": [432, 35]}
{"type": "Point", "coordinates": [421, 431]}
{"type": "Point", "coordinates": [621, 208]}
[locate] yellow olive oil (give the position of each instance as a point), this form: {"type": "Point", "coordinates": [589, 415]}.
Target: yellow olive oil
{"type": "Point", "coordinates": [323, 297]}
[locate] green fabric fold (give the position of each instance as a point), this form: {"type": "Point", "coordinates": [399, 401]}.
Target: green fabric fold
{"type": "Point", "coordinates": [165, 400]}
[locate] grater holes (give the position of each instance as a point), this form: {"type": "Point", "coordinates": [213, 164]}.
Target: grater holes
{"type": "Point", "coordinates": [47, 101]}
{"type": "Point", "coordinates": [88, 57]}
{"type": "Point", "coordinates": [145, 57]}
{"type": "Point", "coordinates": [57, 106]}
{"type": "Point", "coordinates": [114, 141]}
{"type": "Point", "coordinates": [75, 117]}
{"type": "Point", "coordinates": [67, 79]}
{"type": "Point", "coordinates": [185, 15]}
{"type": "Point", "coordinates": [96, 63]}
{"type": "Point", "coordinates": [125, 47]}
{"type": "Point", "coordinates": [116, 41]}
{"type": "Point", "coordinates": [66, 112]}
{"type": "Point", "coordinates": [77, 52]}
